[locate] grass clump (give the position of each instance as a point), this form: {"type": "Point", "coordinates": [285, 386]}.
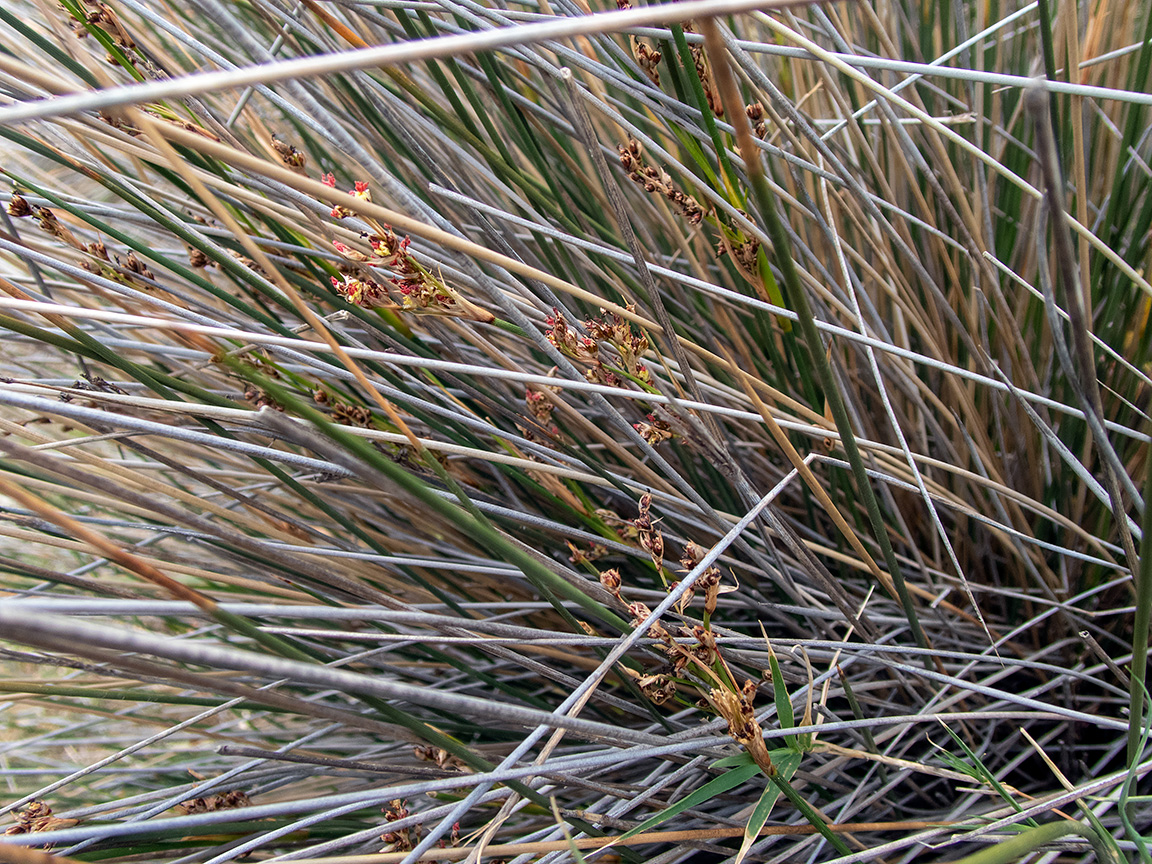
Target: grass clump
{"type": "Point", "coordinates": [442, 430]}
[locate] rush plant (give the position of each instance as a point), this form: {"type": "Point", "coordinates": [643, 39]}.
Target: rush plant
{"type": "Point", "coordinates": [451, 430]}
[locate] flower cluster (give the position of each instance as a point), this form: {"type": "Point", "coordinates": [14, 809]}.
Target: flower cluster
{"type": "Point", "coordinates": [100, 15]}
{"type": "Point", "coordinates": [404, 839]}
{"type": "Point", "coordinates": [755, 112]}
{"type": "Point", "coordinates": [220, 801]}
{"type": "Point", "coordinates": [708, 582]}
{"type": "Point", "coordinates": [647, 57]}
{"type": "Point", "coordinates": [130, 266]}
{"type": "Point", "coordinates": [19, 207]}
{"type": "Point", "coordinates": [736, 707]}
{"type": "Point", "coordinates": [248, 262]}
{"type": "Point", "coordinates": [538, 405]}
{"type": "Point", "coordinates": [97, 259]}
{"type": "Point", "coordinates": [655, 430]}
{"type": "Point", "coordinates": [344, 413]}
{"type": "Point", "coordinates": [745, 250]}
{"type": "Point", "coordinates": [689, 649]}
{"type": "Point", "coordinates": [541, 407]}
{"type": "Point", "coordinates": [705, 73]}
{"type": "Point", "coordinates": [647, 534]}
{"type": "Point", "coordinates": [580, 556]}
{"type": "Point", "coordinates": [134, 265]}
{"type": "Point", "coordinates": [420, 290]}
{"type": "Point", "coordinates": [260, 399]}
{"type": "Point", "coordinates": [657, 180]}
{"type": "Point", "coordinates": [660, 685]}
{"type": "Point", "coordinates": [360, 191]}
{"type": "Point", "coordinates": [610, 328]}
{"type": "Point", "coordinates": [732, 241]}
{"type": "Point", "coordinates": [453, 838]}
{"type": "Point", "coordinates": [568, 341]}
{"type": "Point", "coordinates": [366, 293]}
{"type": "Point", "coordinates": [47, 220]}
{"type": "Point", "coordinates": [290, 156]}
{"type": "Point", "coordinates": [441, 758]}
{"type": "Point", "coordinates": [36, 817]}
{"type": "Point", "coordinates": [638, 611]}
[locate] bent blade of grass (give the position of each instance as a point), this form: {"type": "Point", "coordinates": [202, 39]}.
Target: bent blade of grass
{"type": "Point", "coordinates": [786, 763]}
{"type": "Point", "coordinates": [716, 786]}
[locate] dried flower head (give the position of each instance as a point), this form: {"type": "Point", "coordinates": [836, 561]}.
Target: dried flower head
{"type": "Point", "coordinates": [210, 803]}
{"type": "Point", "coordinates": [658, 688]}
{"type": "Point", "coordinates": [134, 265]}
{"type": "Point", "coordinates": [289, 155]}
{"type": "Point", "coordinates": [657, 181]}
{"type": "Point", "coordinates": [610, 579]}
{"type": "Point", "coordinates": [647, 58]}
{"type": "Point", "coordinates": [36, 817]}
{"type": "Point", "coordinates": [19, 207]}
{"type": "Point", "coordinates": [639, 612]}
{"type": "Point", "coordinates": [404, 839]}
{"type": "Point", "coordinates": [755, 113]}
{"type": "Point", "coordinates": [51, 225]}
{"type": "Point", "coordinates": [655, 430]}
{"type": "Point", "coordinates": [539, 405]}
